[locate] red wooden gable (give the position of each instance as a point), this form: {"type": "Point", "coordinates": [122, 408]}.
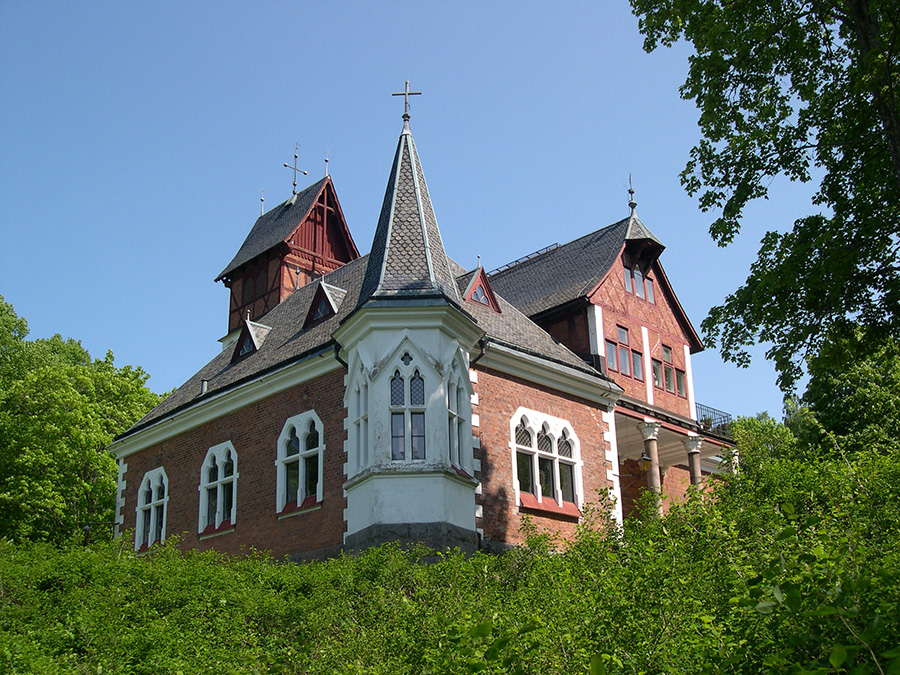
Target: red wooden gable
{"type": "Point", "coordinates": [320, 243]}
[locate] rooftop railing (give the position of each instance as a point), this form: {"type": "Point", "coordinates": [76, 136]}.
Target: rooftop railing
{"type": "Point", "coordinates": [713, 420]}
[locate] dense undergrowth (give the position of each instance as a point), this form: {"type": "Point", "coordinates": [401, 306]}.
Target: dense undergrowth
{"type": "Point", "coordinates": [793, 566]}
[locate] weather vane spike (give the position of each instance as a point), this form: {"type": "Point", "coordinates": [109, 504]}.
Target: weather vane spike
{"type": "Point", "coordinates": [326, 164]}
{"type": "Point", "coordinates": [631, 202]}
{"type": "Point", "coordinates": [262, 202]}
{"type": "Point", "coordinates": [296, 147]}
{"type": "Point", "coordinates": [406, 93]}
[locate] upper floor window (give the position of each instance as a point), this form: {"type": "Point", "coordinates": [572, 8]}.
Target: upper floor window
{"type": "Point", "coordinates": [299, 462]}
{"type": "Point", "coordinates": [637, 283]}
{"type": "Point", "coordinates": [153, 495]}
{"type": "Point", "coordinates": [546, 458]}
{"type": "Point", "coordinates": [218, 487]}
{"type": "Point", "coordinates": [620, 357]}
{"type": "Point", "coordinates": [407, 415]}
{"type": "Point", "coordinates": [667, 376]}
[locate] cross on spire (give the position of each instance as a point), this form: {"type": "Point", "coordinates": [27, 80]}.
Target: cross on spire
{"type": "Point", "coordinates": [406, 93]}
{"type": "Point", "coordinates": [296, 146]}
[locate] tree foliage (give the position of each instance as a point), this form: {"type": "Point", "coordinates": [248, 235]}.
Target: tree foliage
{"type": "Point", "coordinates": [59, 411]}
{"type": "Point", "coordinates": [798, 88]}
{"type": "Point", "coordinates": [791, 565]}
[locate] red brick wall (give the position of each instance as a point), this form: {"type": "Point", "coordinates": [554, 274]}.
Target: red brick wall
{"type": "Point", "coordinates": [254, 432]}
{"type": "Point", "coordinates": [621, 308]}
{"type": "Point", "coordinates": [499, 396]}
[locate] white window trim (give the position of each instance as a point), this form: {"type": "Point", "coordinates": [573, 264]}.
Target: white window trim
{"type": "Point", "coordinates": [151, 478]}
{"type": "Point", "coordinates": [407, 373]}
{"type": "Point", "coordinates": [219, 452]}
{"type": "Point", "coordinates": [536, 421]}
{"type": "Point", "coordinates": [301, 424]}
{"type": "Point", "coordinates": [360, 417]}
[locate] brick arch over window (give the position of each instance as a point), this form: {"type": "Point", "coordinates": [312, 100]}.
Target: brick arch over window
{"type": "Point", "coordinates": [546, 460]}
{"type": "Point", "coordinates": [300, 462]}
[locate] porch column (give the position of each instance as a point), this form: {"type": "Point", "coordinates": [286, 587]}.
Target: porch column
{"type": "Point", "coordinates": [692, 447]}
{"type": "Point", "coordinates": [650, 434]}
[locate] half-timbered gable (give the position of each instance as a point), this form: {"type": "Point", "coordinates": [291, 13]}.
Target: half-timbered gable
{"type": "Point", "coordinates": [301, 239]}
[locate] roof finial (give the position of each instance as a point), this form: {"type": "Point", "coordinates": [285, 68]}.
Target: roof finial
{"type": "Point", "coordinates": [479, 260]}
{"type": "Point", "coordinates": [262, 202]}
{"type": "Point", "coordinates": [296, 146]}
{"type": "Point", "coordinates": [326, 164]}
{"type": "Point", "coordinates": [406, 93]}
{"type": "Point", "coordinates": [631, 203]}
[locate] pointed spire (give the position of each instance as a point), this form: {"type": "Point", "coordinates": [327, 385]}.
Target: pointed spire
{"type": "Point", "coordinates": [407, 256]}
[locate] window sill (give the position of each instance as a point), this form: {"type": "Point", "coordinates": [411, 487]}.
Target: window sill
{"type": "Point", "coordinates": [211, 531]}
{"type": "Point", "coordinates": [291, 509]}
{"type": "Point", "coordinates": [548, 507]}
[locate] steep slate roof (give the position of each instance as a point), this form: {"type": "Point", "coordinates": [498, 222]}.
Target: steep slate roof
{"type": "Point", "coordinates": [274, 226]}
{"type": "Point", "coordinates": [570, 271]}
{"type": "Point", "coordinates": [407, 257]}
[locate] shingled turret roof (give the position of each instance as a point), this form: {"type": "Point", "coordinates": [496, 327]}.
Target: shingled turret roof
{"type": "Point", "coordinates": [570, 271]}
{"type": "Point", "coordinates": [407, 257]}
{"type": "Point", "coordinates": [276, 225]}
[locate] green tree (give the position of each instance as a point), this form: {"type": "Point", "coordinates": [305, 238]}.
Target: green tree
{"type": "Point", "coordinates": [59, 410]}
{"type": "Point", "coordinates": [854, 388]}
{"type": "Point", "coordinates": [795, 88]}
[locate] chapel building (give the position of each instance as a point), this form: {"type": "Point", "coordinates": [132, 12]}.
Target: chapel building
{"type": "Point", "coordinates": [400, 396]}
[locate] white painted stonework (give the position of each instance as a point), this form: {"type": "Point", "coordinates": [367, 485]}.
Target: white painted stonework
{"type": "Point", "coordinates": [612, 456]}
{"type": "Point", "coordinates": [431, 342]}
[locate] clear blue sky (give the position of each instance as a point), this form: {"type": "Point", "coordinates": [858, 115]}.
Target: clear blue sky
{"type": "Point", "coordinates": [137, 138]}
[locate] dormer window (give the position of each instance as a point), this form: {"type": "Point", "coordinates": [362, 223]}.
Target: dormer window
{"type": "Point", "coordinates": [479, 291]}
{"type": "Point", "coordinates": [323, 309]}
{"type": "Point", "coordinates": [246, 346]}
{"type": "Point", "coordinates": [478, 295]}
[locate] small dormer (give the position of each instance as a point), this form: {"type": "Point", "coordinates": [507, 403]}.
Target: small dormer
{"type": "Point", "coordinates": [480, 292]}
{"type": "Point", "coordinates": [298, 241]}
{"type": "Point", "coordinates": [249, 340]}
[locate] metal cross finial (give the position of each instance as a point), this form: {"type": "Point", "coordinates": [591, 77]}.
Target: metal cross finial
{"type": "Point", "coordinates": [406, 93]}
{"type": "Point", "coordinates": [296, 146]}
{"type": "Point", "coordinates": [631, 202]}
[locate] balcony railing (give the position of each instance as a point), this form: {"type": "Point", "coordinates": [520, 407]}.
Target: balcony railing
{"type": "Point", "coordinates": [713, 420]}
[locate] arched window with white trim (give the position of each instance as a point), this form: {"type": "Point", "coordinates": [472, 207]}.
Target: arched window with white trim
{"type": "Point", "coordinates": [359, 414]}
{"type": "Point", "coordinates": [407, 396]}
{"type": "Point", "coordinates": [218, 488]}
{"type": "Point", "coordinates": [300, 460]}
{"type": "Point", "coordinates": [457, 410]}
{"type": "Point", "coordinates": [153, 495]}
{"type": "Point", "coordinates": [546, 458]}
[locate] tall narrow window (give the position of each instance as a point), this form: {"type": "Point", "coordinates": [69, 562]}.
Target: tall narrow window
{"type": "Point", "coordinates": [525, 458]}
{"type": "Point", "coordinates": [456, 417]}
{"type": "Point", "coordinates": [637, 365]}
{"type": "Point", "coordinates": [680, 382]}
{"type": "Point", "coordinates": [657, 373]}
{"type": "Point", "coordinates": [668, 369]}
{"type": "Point", "coordinates": [638, 283]}
{"type": "Point", "coordinates": [218, 478]}
{"type": "Point", "coordinates": [650, 290]}
{"type": "Point", "coordinates": [611, 358]}
{"type": "Point", "coordinates": [407, 421]}
{"type": "Point", "coordinates": [299, 463]}
{"type": "Point", "coordinates": [627, 279]}
{"type": "Point", "coordinates": [624, 351]}
{"type": "Point", "coordinates": [360, 419]}
{"type": "Point", "coordinates": [151, 509]}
